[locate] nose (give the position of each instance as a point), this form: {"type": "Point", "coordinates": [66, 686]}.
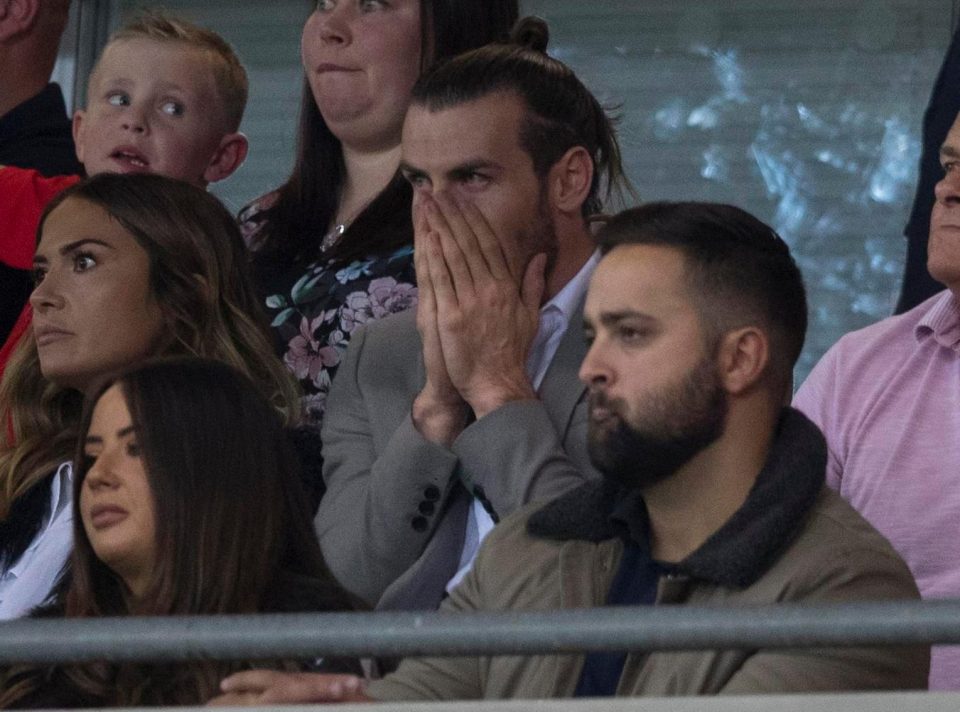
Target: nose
{"type": "Point", "coordinates": [331, 26]}
{"type": "Point", "coordinates": [594, 371]}
{"type": "Point", "coordinates": [947, 190]}
{"type": "Point", "coordinates": [134, 119]}
{"type": "Point", "coordinates": [100, 475]}
{"type": "Point", "coordinates": [46, 295]}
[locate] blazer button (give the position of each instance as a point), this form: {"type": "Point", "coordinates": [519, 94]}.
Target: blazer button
{"type": "Point", "coordinates": [427, 508]}
{"type": "Point", "coordinates": [419, 524]}
{"type": "Point", "coordinates": [431, 493]}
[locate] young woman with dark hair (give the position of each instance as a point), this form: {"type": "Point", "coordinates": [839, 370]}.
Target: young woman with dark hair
{"type": "Point", "coordinates": [186, 501]}
{"type": "Point", "coordinates": [333, 246]}
{"type": "Point", "coordinates": [127, 267]}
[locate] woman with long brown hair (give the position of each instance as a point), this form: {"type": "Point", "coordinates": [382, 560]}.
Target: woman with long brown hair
{"type": "Point", "coordinates": [186, 501]}
{"type": "Point", "coordinates": [127, 267]}
{"type": "Point", "coordinates": [333, 246]}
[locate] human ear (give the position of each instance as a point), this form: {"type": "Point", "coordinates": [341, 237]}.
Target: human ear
{"type": "Point", "coordinates": [17, 17]}
{"type": "Point", "coordinates": [570, 179]}
{"type": "Point", "coordinates": [77, 129]}
{"type": "Point", "coordinates": [742, 358]}
{"type": "Point", "coordinates": [229, 156]}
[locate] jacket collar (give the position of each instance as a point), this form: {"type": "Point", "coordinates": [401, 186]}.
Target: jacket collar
{"type": "Point", "coordinates": [749, 542]}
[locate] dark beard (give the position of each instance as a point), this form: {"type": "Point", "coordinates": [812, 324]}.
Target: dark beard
{"type": "Point", "coordinates": [541, 237]}
{"type": "Point", "coordinates": [678, 423]}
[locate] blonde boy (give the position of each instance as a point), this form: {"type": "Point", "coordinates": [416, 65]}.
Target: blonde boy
{"type": "Point", "coordinates": [166, 97]}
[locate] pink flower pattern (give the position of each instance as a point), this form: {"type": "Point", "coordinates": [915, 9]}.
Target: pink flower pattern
{"type": "Point", "coordinates": [314, 311]}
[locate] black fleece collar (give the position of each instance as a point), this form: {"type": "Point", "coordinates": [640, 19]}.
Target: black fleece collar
{"type": "Point", "coordinates": [749, 542]}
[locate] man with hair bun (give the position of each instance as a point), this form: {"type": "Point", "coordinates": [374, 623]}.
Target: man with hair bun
{"type": "Point", "coordinates": [442, 422]}
{"type": "Point", "coordinates": [712, 492]}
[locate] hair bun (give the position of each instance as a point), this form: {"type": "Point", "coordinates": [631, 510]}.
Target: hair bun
{"type": "Point", "coordinates": [532, 33]}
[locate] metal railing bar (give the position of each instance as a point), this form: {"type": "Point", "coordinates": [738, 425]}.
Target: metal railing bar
{"type": "Point", "coordinates": [407, 634]}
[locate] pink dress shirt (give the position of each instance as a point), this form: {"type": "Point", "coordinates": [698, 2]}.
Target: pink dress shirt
{"type": "Point", "coordinates": [887, 398]}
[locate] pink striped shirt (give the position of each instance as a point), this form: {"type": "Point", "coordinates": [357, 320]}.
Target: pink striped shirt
{"type": "Point", "coordinates": [887, 397]}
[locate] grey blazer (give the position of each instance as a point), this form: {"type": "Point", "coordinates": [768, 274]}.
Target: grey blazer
{"type": "Point", "coordinates": [392, 521]}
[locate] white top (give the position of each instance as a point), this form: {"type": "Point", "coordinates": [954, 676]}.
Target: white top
{"type": "Point", "coordinates": [29, 581]}
{"type": "Point", "coordinates": [555, 317]}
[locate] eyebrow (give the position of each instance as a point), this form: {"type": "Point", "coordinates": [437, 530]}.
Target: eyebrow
{"type": "Point", "coordinates": [613, 318]}
{"type": "Point", "coordinates": [407, 169]}
{"type": "Point", "coordinates": [457, 171]}
{"type": "Point", "coordinates": [72, 247]}
{"type": "Point", "coordinates": [122, 433]}
{"type": "Point", "coordinates": [471, 166]}
{"type": "Point", "coordinates": [949, 151]}
{"type": "Point", "coordinates": [112, 80]}
{"type": "Point", "coordinates": [170, 86]}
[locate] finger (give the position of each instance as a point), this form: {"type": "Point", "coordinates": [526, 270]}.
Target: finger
{"type": "Point", "coordinates": [534, 284]}
{"type": "Point", "coordinates": [454, 256]}
{"type": "Point", "coordinates": [422, 268]}
{"type": "Point", "coordinates": [314, 687]}
{"type": "Point", "coordinates": [493, 250]}
{"type": "Point", "coordinates": [443, 287]}
{"type": "Point", "coordinates": [462, 231]}
{"type": "Point", "coordinates": [420, 224]}
{"type": "Point", "coordinates": [250, 681]}
{"type": "Point", "coordinates": [426, 295]}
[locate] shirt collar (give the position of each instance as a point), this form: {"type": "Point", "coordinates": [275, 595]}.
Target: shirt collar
{"type": "Point", "coordinates": [61, 497]}
{"type": "Point", "coordinates": [942, 322]}
{"type": "Point", "coordinates": [568, 299]}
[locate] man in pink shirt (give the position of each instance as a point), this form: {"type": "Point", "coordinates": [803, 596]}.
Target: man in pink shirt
{"type": "Point", "coordinates": [887, 398]}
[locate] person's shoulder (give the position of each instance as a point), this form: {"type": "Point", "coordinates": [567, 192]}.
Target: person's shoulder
{"type": "Point", "coordinates": [17, 176]}
{"type": "Point", "coordinates": [514, 533]}
{"type": "Point", "coordinates": [839, 545]}
{"type": "Point", "coordinates": [861, 360]}
{"type": "Point", "coordinates": [516, 568]}
{"type": "Point", "coordinates": [391, 332]}
{"type": "Point", "coordinates": [898, 331]}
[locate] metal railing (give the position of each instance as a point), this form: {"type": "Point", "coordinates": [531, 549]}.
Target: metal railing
{"type": "Point", "coordinates": [410, 634]}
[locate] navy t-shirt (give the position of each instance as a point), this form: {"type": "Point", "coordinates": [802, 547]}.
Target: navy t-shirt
{"type": "Point", "coordinates": [635, 584]}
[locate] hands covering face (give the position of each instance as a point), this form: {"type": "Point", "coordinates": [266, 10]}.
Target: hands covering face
{"type": "Point", "coordinates": [478, 313]}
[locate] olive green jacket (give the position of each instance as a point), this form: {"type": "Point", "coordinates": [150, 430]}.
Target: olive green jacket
{"type": "Point", "coordinates": [793, 540]}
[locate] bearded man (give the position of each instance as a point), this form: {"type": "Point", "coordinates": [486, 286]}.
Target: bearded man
{"type": "Point", "coordinates": [712, 491]}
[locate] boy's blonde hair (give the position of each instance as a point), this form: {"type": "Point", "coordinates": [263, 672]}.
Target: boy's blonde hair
{"type": "Point", "coordinates": [228, 73]}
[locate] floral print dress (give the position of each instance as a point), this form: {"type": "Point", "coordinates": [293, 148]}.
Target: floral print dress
{"type": "Point", "coordinates": [313, 310]}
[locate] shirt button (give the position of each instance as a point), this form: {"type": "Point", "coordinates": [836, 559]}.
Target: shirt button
{"type": "Point", "coordinates": [432, 493]}
{"type": "Point", "coordinates": [426, 508]}
{"type": "Point", "coordinates": [419, 524]}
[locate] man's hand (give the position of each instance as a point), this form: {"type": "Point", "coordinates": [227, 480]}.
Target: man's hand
{"type": "Point", "coordinates": [264, 687]}
{"type": "Point", "coordinates": [486, 319]}
{"type": "Point", "coordinates": [439, 413]}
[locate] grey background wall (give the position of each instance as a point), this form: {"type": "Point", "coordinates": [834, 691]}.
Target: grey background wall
{"type": "Point", "coordinates": [806, 113]}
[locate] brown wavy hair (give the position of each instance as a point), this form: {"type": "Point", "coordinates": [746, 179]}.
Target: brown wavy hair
{"type": "Point", "coordinates": [199, 277]}
{"type": "Point", "coordinates": [234, 534]}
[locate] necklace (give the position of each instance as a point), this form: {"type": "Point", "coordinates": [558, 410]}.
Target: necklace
{"type": "Point", "coordinates": [333, 237]}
